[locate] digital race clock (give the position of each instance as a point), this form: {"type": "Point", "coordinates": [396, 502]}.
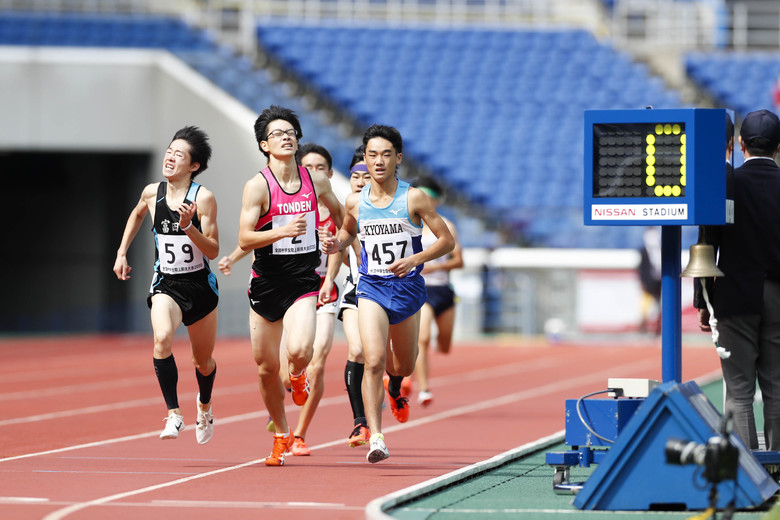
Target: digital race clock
{"type": "Point", "coordinates": [655, 167]}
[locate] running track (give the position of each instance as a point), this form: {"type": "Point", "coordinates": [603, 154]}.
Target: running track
{"type": "Point", "coordinates": [81, 419]}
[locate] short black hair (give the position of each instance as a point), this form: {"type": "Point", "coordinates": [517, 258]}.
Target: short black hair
{"type": "Point", "coordinates": [387, 132]}
{"type": "Point", "coordinates": [200, 149]}
{"type": "Point", "coordinates": [357, 156]}
{"type": "Point", "coordinates": [273, 113]}
{"type": "Point", "coordinates": [308, 148]}
{"type": "Point", "coordinates": [430, 184]}
{"type": "Point", "coordinates": [759, 147]}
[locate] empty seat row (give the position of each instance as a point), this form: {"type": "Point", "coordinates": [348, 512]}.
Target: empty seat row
{"type": "Point", "coordinates": [41, 29]}
{"type": "Point", "coordinates": [742, 81]}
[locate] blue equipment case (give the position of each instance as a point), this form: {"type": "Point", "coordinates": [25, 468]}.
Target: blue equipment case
{"type": "Point", "coordinates": [634, 474]}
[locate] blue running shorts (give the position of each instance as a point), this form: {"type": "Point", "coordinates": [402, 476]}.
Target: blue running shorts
{"type": "Point", "coordinates": [399, 297]}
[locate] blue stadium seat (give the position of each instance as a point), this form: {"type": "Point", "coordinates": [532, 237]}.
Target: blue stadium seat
{"type": "Point", "coordinates": [743, 81]}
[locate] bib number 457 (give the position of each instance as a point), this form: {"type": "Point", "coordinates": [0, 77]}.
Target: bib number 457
{"type": "Point", "coordinates": [389, 253]}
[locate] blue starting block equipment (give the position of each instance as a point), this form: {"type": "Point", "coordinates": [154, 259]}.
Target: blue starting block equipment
{"type": "Point", "coordinates": [634, 474]}
{"type": "Point", "coordinates": [597, 422]}
{"type": "Point", "coordinates": [592, 426]}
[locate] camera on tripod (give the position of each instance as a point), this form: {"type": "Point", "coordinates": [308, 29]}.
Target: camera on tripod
{"type": "Point", "coordinates": [719, 457]}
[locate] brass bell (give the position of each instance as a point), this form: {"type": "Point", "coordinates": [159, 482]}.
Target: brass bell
{"type": "Point", "coordinates": [701, 263]}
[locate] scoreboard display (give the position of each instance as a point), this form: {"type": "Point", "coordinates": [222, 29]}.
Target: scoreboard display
{"type": "Point", "coordinates": [655, 167]}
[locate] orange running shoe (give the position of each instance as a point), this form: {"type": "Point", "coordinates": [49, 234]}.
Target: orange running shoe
{"type": "Point", "coordinates": [399, 405]}
{"type": "Point", "coordinates": [299, 448]}
{"type": "Point", "coordinates": [359, 436]}
{"type": "Point", "coordinates": [300, 388]}
{"type": "Point", "coordinates": [282, 443]}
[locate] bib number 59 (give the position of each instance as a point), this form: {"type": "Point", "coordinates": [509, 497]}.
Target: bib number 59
{"type": "Point", "coordinates": [186, 249]}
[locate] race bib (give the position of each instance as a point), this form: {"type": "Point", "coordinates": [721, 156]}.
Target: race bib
{"type": "Point", "coordinates": [383, 250]}
{"type": "Point", "coordinates": [305, 243]}
{"type": "Point", "coordinates": [322, 269]}
{"type": "Point", "coordinates": [179, 255]}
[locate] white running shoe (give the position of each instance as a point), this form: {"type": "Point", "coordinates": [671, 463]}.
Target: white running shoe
{"type": "Point", "coordinates": [204, 428]}
{"type": "Point", "coordinates": [378, 449]}
{"type": "Point", "coordinates": [424, 397]}
{"type": "Point", "coordinates": [174, 423]}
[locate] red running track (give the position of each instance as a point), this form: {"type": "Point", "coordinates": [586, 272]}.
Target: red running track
{"type": "Point", "coordinates": [82, 415]}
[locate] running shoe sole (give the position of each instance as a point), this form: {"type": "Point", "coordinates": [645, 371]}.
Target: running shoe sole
{"type": "Point", "coordinates": [378, 452]}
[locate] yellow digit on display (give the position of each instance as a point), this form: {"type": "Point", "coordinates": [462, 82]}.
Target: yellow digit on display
{"type": "Point", "coordinates": [660, 190]}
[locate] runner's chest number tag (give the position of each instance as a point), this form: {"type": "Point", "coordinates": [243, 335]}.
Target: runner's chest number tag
{"type": "Point", "coordinates": [305, 243]}
{"type": "Point", "coordinates": [179, 255]}
{"type": "Point", "coordinates": [382, 251]}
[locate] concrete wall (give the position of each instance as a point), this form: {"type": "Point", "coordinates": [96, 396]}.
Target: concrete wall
{"type": "Point", "coordinates": [63, 99]}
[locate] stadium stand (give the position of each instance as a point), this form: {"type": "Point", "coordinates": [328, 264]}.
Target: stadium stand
{"type": "Point", "coordinates": [743, 81]}
{"type": "Point", "coordinates": [99, 31]}
{"type": "Point", "coordinates": [495, 114]}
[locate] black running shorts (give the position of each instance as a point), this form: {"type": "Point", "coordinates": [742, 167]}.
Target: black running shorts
{"type": "Point", "coordinates": [271, 297]}
{"type": "Point", "coordinates": [195, 297]}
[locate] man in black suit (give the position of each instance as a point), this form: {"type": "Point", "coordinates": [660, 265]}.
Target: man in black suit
{"type": "Point", "coordinates": [746, 301]}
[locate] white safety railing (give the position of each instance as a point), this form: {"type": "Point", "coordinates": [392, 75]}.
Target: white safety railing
{"type": "Point", "coordinates": [756, 25]}
{"type": "Point", "coordinates": [635, 25]}
{"type": "Point", "coordinates": [447, 12]}
{"type": "Point", "coordinates": [656, 25]}
{"type": "Point", "coordinates": [648, 26]}
{"type": "Point", "coordinates": [103, 6]}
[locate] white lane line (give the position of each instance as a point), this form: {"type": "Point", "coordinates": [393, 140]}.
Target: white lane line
{"type": "Point", "coordinates": [187, 459]}
{"type": "Point", "coordinates": [200, 504]}
{"type": "Point", "coordinates": [96, 472]}
{"type": "Point", "coordinates": [23, 500]}
{"type": "Point", "coordinates": [73, 389]}
{"type": "Point", "coordinates": [329, 401]}
{"type": "Point", "coordinates": [137, 403]}
{"type": "Point", "coordinates": [82, 446]}
{"type": "Point", "coordinates": [62, 513]}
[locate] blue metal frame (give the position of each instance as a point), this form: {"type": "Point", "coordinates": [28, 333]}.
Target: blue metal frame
{"type": "Point", "coordinates": [671, 304]}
